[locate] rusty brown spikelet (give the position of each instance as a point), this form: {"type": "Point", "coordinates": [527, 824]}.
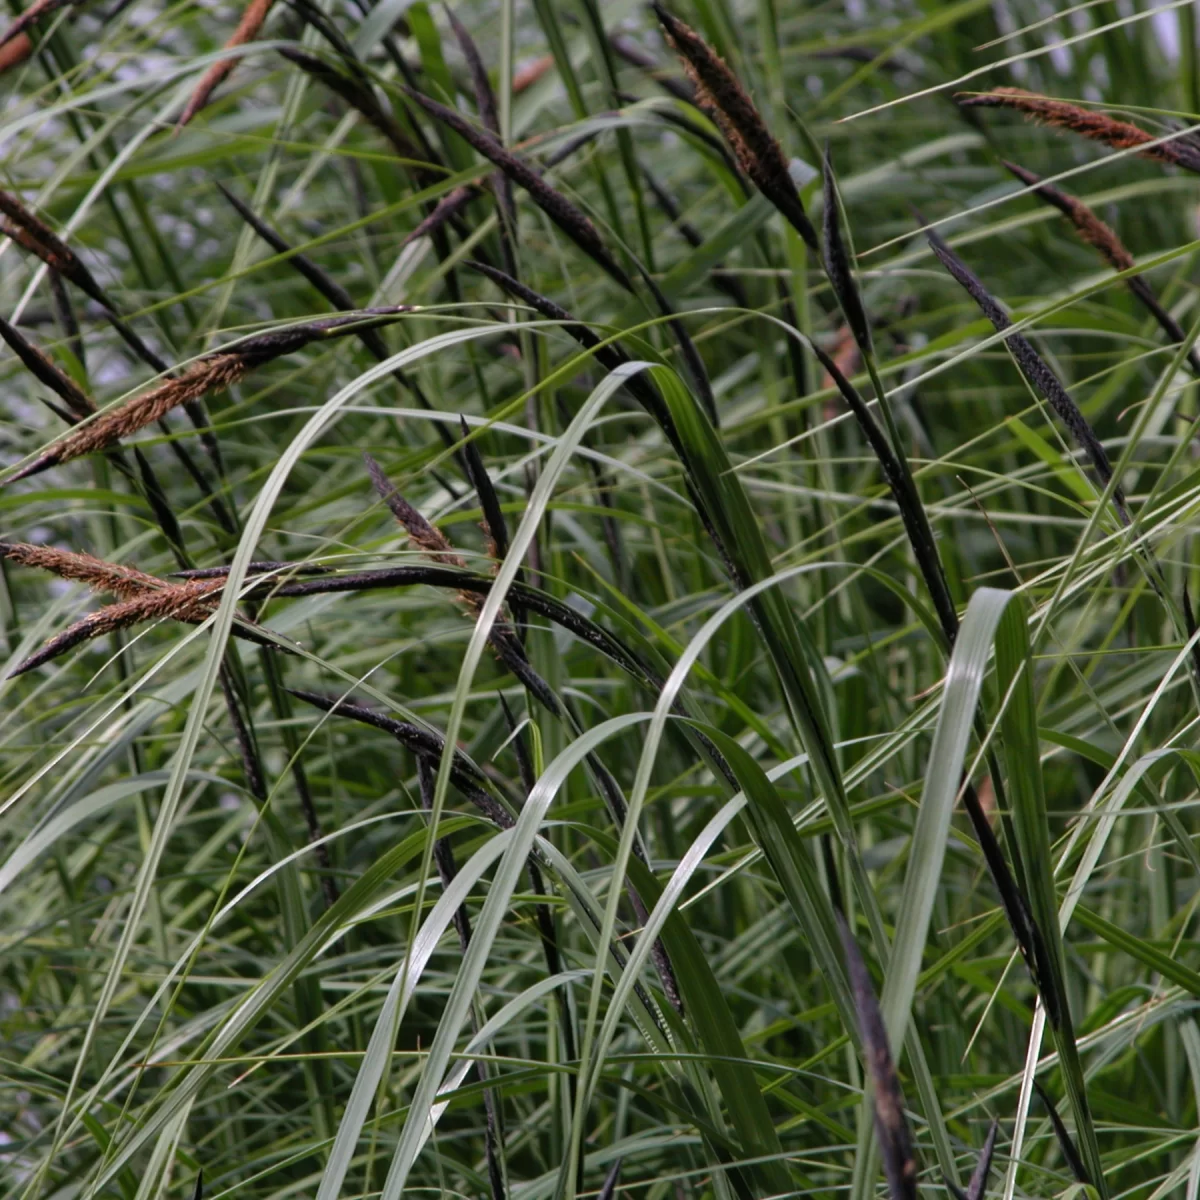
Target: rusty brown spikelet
{"type": "Point", "coordinates": [756, 149]}
{"type": "Point", "coordinates": [40, 240]}
{"type": "Point", "coordinates": [35, 12]}
{"type": "Point", "coordinates": [15, 52]}
{"type": "Point", "coordinates": [530, 73]}
{"type": "Point", "coordinates": [141, 598]}
{"type": "Point", "coordinates": [100, 576]}
{"type": "Point", "coordinates": [1095, 232]}
{"type": "Point", "coordinates": [1096, 126]}
{"type": "Point", "coordinates": [247, 30]}
{"type": "Point", "coordinates": [432, 540]}
{"type": "Point", "coordinates": [1087, 224]}
{"type": "Point", "coordinates": [191, 602]}
{"type": "Point", "coordinates": [212, 373]}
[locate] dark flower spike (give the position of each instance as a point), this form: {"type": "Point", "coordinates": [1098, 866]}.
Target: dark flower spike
{"type": "Point", "coordinates": [465, 775]}
{"type": "Point", "coordinates": [638, 56]}
{"type": "Point", "coordinates": [891, 1125]}
{"type": "Point", "coordinates": [1096, 233]}
{"type": "Point", "coordinates": [609, 357]}
{"type": "Point", "coordinates": [321, 280]}
{"type": "Point", "coordinates": [569, 218]}
{"type": "Point", "coordinates": [609, 1187]}
{"type": "Point", "coordinates": [1034, 368]}
{"type": "Point", "coordinates": [912, 511]}
{"type": "Point", "coordinates": [362, 99]}
{"type": "Point", "coordinates": [725, 280]}
{"type": "Point", "coordinates": [61, 384]}
{"type": "Point", "coordinates": [198, 1191]}
{"type": "Point", "coordinates": [757, 151]}
{"type": "Point", "coordinates": [494, 524]}
{"type": "Point", "coordinates": [433, 541]}
{"type": "Point", "coordinates": [263, 567]}
{"type": "Point", "coordinates": [837, 262]}
{"type": "Point", "coordinates": [1065, 1142]}
{"type": "Point", "coordinates": [485, 101]}
{"type": "Point", "coordinates": [977, 1188]}
{"type": "Point", "coordinates": [213, 372]}
{"type": "Point", "coordinates": [1096, 126]}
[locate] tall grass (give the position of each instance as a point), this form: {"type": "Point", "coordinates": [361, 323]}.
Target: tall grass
{"type": "Point", "coordinates": [599, 600]}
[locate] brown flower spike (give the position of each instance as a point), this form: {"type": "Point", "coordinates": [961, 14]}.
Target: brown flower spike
{"type": "Point", "coordinates": [1096, 126]}
{"type": "Point", "coordinates": [756, 149]}
{"type": "Point", "coordinates": [213, 373]}
{"type": "Point", "coordinates": [141, 598]}
{"type": "Point", "coordinates": [1095, 232]}
{"type": "Point", "coordinates": [247, 30]}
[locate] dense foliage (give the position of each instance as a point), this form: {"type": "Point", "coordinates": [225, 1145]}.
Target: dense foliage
{"type": "Point", "coordinates": [462, 746]}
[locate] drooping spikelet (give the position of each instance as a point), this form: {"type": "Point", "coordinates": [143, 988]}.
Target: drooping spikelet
{"type": "Point", "coordinates": [756, 149]}
{"type": "Point", "coordinates": [1095, 232]}
{"type": "Point", "coordinates": [61, 384]}
{"type": "Point", "coordinates": [212, 373]}
{"type": "Point", "coordinates": [1096, 126]}
{"type": "Point", "coordinates": [1033, 367]}
{"type": "Point", "coordinates": [247, 30]}
{"type": "Point", "coordinates": [567, 216]}
{"type": "Point", "coordinates": [141, 598]}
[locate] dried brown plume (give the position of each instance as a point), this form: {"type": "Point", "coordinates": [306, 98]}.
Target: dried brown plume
{"type": "Point", "coordinates": [15, 52]}
{"type": "Point", "coordinates": [247, 30]}
{"type": "Point", "coordinates": [1096, 126]}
